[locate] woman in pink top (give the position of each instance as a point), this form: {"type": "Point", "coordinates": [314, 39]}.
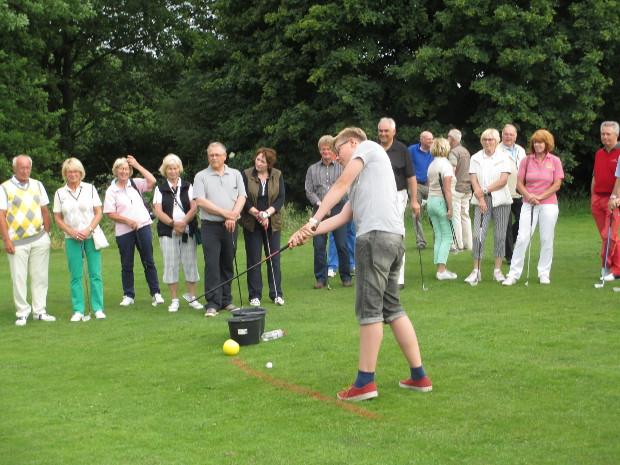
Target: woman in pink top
{"type": "Point", "coordinates": [124, 205]}
{"type": "Point", "coordinates": [540, 177]}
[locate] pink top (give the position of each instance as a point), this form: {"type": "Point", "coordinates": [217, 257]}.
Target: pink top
{"type": "Point", "coordinates": [128, 203]}
{"type": "Point", "coordinates": [540, 176]}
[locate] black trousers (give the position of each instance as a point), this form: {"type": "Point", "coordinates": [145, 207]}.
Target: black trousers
{"type": "Point", "coordinates": [512, 230]}
{"type": "Point", "coordinates": [255, 243]}
{"type": "Point", "coordinates": [218, 249]}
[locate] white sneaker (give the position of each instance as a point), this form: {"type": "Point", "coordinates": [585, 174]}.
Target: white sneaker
{"type": "Point", "coordinates": [21, 321]}
{"type": "Point", "coordinates": [255, 302]}
{"type": "Point", "coordinates": [331, 273]}
{"type": "Point", "coordinates": [610, 277]}
{"type": "Point", "coordinates": [100, 315]}
{"type": "Point", "coordinates": [445, 275]}
{"type": "Point", "coordinates": [474, 276]}
{"type": "Point", "coordinates": [509, 281]}
{"type": "Point", "coordinates": [44, 317]}
{"type": "Point", "coordinates": [126, 302]}
{"type": "Point", "coordinates": [157, 299]}
{"type": "Point", "coordinates": [499, 276]}
{"type": "Point", "coordinates": [77, 316]}
{"type": "Point", "coordinates": [195, 304]}
{"type": "Point", "coordinates": [545, 280]}
{"type": "Point", "coordinates": [174, 305]}
{"type": "Point", "coordinates": [279, 301]}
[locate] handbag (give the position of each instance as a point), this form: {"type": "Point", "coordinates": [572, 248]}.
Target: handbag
{"type": "Point", "coordinates": [101, 242]}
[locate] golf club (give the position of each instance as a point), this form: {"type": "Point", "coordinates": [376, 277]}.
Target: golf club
{"type": "Point", "coordinates": [454, 241]}
{"type": "Point", "coordinates": [616, 289]}
{"type": "Point", "coordinates": [188, 297]}
{"type": "Point", "coordinates": [475, 283]}
{"type": "Point", "coordinates": [529, 254]}
{"type": "Point", "coordinates": [602, 283]}
{"type": "Point", "coordinates": [424, 288]}
{"type": "Point", "coordinates": [273, 275]}
{"type": "Point", "coordinates": [86, 278]}
{"type": "Point", "coordinates": [232, 239]}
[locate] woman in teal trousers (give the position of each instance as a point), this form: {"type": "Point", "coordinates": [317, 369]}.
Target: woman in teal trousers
{"type": "Point", "coordinates": [77, 211]}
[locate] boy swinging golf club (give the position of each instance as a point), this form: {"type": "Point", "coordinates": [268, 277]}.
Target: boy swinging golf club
{"type": "Point", "coordinates": [379, 250]}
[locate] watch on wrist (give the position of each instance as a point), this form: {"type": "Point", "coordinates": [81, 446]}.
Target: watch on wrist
{"type": "Point", "coordinates": [485, 191]}
{"type": "Point", "coordinates": [171, 224]}
{"type": "Point", "coordinates": [314, 220]}
{"type": "Point", "coordinates": [613, 196]}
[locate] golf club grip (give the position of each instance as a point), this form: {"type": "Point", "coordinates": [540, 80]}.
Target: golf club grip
{"type": "Point", "coordinates": [244, 272]}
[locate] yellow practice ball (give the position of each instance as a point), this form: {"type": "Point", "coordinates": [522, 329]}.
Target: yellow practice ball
{"type": "Point", "coordinates": [230, 347]}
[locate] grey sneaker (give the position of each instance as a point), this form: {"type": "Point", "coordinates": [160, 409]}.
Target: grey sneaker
{"type": "Point", "coordinates": [230, 307]}
{"type": "Point", "coordinates": [211, 312]}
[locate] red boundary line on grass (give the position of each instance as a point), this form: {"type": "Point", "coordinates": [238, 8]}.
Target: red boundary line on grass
{"type": "Point", "coordinates": [316, 395]}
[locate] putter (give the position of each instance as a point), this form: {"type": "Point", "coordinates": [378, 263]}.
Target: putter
{"type": "Point", "coordinates": [602, 283]}
{"type": "Point", "coordinates": [454, 242]}
{"type": "Point", "coordinates": [188, 297]}
{"type": "Point", "coordinates": [232, 239]}
{"type": "Point", "coordinates": [424, 288]}
{"type": "Point", "coordinates": [529, 254]}
{"type": "Point", "coordinates": [273, 274]}
{"type": "Point", "coordinates": [86, 278]}
{"type": "Point", "coordinates": [475, 283]}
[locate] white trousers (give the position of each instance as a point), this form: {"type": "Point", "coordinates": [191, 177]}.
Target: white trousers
{"type": "Point", "coordinates": [545, 216]}
{"type": "Point", "coordinates": [30, 259]}
{"type": "Point", "coordinates": [403, 199]}
{"type": "Point", "coordinates": [461, 219]}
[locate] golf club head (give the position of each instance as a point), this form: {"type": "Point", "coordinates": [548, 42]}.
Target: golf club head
{"type": "Point", "coordinates": [616, 289]}
{"type": "Point", "coordinates": [424, 288]}
{"type": "Point", "coordinates": [86, 318]}
{"type": "Point", "coordinates": [527, 283]}
{"type": "Point", "coordinates": [600, 285]}
{"type": "Point", "coordinates": [474, 283]}
{"type": "Point", "coordinates": [188, 297]}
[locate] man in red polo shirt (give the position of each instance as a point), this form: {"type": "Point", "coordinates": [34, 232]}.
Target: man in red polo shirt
{"type": "Point", "coordinates": [603, 180]}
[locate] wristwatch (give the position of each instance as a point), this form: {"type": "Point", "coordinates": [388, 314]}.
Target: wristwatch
{"type": "Point", "coordinates": [613, 196]}
{"type": "Point", "coordinates": [485, 191]}
{"type": "Point", "coordinates": [314, 220]}
{"type": "Point", "coordinates": [171, 224]}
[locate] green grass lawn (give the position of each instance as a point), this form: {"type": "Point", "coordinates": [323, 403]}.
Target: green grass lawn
{"type": "Point", "coordinates": [521, 375]}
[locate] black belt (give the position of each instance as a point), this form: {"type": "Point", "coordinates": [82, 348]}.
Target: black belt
{"type": "Point", "coordinates": [213, 222]}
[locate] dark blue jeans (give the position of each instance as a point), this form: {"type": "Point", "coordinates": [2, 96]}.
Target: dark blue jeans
{"type": "Point", "coordinates": [218, 249]}
{"type": "Point", "coordinates": [141, 239]}
{"type": "Point", "coordinates": [320, 250]}
{"type": "Point", "coordinates": [254, 244]}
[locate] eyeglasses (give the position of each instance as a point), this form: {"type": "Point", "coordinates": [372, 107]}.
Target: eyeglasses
{"type": "Point", "coordinates": [488, 140]}
{"type": "Point", "coordinates": [337, 147]}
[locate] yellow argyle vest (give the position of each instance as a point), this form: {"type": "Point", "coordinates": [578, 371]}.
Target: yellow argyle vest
{"type": "Point", "coordinates": [23, 216]}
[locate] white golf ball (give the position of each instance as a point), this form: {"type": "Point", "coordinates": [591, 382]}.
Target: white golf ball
{"type": "Point", "coordinates": [269, 365]}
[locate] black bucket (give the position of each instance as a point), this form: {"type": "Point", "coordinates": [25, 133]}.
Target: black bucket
{"type": "Point", "coordinates": [245, 330]}
{"type": "Point", "coordinates": [254, 311]}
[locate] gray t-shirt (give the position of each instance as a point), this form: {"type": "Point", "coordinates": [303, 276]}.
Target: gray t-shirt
{"type": "Point", "coordinates": [222, 190]}
{"type": "Point", "coordinates": [373, 193]}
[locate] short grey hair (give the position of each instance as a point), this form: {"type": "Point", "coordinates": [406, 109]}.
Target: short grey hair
{"type": "Point", "coordinates": [118, 162]}
{"type": "Point", "coordinates": [455, 134]}
{"type": "Point", "coordinates": [326, 140]}
{"type": "Point", "coordinates": [14, 162]}
{"type": "Point", "coordinates": [217, 144]}
{"type": "Point", "coordinates": [613, 124]}
{"type": "Point", "coordinates": [387, 120]}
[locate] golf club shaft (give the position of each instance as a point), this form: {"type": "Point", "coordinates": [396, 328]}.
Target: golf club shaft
{"type": "Point", "coordinates": [242, 273]}
{"type": "Point", "coordinates": [273, 274]}
{"type": "Point", "coordinates": [529, 253]}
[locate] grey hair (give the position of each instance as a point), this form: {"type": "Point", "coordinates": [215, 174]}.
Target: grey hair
{"type": "Point", "coordinates": [217, 144]}
{"type": "Point", "coordinates": [613, 124]}
{"type": "Point", "coordinates": [387, 120]}
{"type": "Point", "coordinates": [326, 140]}
{"type": "Point", "coordinates": [455, 134]}
{"type": "Point", "coordinates": [14, 162]}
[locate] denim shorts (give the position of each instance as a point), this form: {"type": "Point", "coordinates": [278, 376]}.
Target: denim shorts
{"type": "Point", "coordinates": [378, 259]}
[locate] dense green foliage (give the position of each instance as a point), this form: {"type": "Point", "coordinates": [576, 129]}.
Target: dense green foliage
{"type": "Point", "coordinates": [100, 78]}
